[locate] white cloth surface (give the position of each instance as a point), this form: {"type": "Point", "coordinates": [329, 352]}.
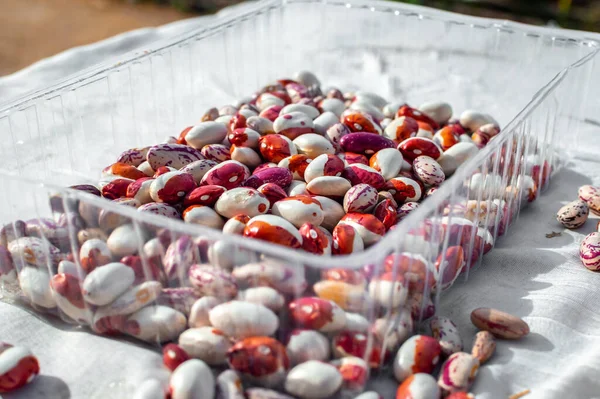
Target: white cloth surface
{"type": "Point", "coordinates": [537, 278]}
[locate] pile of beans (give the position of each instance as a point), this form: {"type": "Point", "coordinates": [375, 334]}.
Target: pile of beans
{"type": "Point", "coordinates": [266, 362]}
{"type": "Point", "coordinates": [575, 214]}
{"type": "Point", "coordinates": [330, 174]}
{"type": "Point", "coordinates": [313, 170]}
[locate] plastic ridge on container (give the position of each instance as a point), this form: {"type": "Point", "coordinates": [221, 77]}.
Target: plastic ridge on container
{"type": "Point", "coordinates": [534, 81]}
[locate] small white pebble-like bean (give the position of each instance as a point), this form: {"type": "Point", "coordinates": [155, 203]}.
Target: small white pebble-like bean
{"type": "Point", "coordinates": [241, 320]}
{"type": "Point", "coordinates": [313, 380]}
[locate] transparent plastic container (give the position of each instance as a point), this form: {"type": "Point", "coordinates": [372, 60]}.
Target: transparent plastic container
{"type": "Point", "coordinates": [534, 81]}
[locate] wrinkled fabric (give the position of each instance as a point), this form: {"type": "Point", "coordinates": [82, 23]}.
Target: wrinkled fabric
{"type": "Point", "coordinates": [534, 277]}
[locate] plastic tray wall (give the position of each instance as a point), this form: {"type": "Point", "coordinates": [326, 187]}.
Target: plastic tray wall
{"type": "Point", "coordinates": [535, 84]}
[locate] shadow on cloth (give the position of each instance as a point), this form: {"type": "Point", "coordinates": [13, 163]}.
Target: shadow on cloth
{"type": "Point", "coordinates": [43, 386]}
{"type": "Point", "coordinates": [511, 272]}
{"type": "Point", "coordinates": [56, 322]}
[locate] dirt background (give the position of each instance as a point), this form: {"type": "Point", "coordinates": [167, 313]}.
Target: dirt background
{"type": "Point", "coordinates": [34, 29]}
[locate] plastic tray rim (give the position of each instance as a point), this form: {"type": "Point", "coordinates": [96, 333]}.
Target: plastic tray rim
{"type": "Point", "coordinates": [222, 21]}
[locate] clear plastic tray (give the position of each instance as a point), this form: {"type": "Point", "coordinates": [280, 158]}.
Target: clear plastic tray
{"type": "Point", "coordinates": [534, 81]}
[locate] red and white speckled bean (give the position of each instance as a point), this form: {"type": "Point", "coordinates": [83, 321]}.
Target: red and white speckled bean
{"type": "Point", "coordinates": [589, 251]}
{"type": "Point", "coordinates": [392, 331]}
{"type": "Point", "coordinates": [106, 283]}
{"type": "Point", "coordinates": [388, 162]}
{"type": "Point", "coordinates": [266, 296]}
{"type": "Point", "coordinates": [238, 319]}
{"type": "Point", "coordinates": [358, 173]}
{"type": "Point", "coordinates": [417, 146]}
{"type": "Point", "coordinates": [332, 212]}
{"type": "Point", "coordinates": [204, 195]}
{"type": "Point", "coordinates": [445, 331]}
{"type": "Point", "coordinates": [484, 346]}
{"type": "Point", "coordinates": [587, 192]}
{"type": "Point", "coordinates": [293, 124]}
{"type": "Point", "coordinates": [313, 380]}
{"type": "Point", "coordinates": [93, 253]}
{"type": "Point", "coordinates": [199, 312]}
{"type": "Point", "coordinates": [365, 143]}
{"type": "Point", "coordinates": [313, 145]}
{"type": "Point", "coordinates": [317, 314]}
{"type": "Point", "coordinates": [304, 345]}
{"type": "Point", "coordinates": [244, 137]}
{"type": "Point", "coordinates": [349, 297]}
{"type": "Point", "coordinates": [229, 385]}
{"type": "Point", "coordinates": [274, 174]}
{"type": "Point", "coordinates": [419, 354]}
{"type": "Point", "coordinates": [246, 156]}
{"type": "Point", "coordinates": [358, 121]}
{"type": "Point", "coordinates": [205, 133]}
{"type": "Point", "coordinates": [296, 164]}
{"type": "Point", "coordinates": [160, 209]}
{"type": "Point", "coordinates": [573, 215]}
{"type": "Point", "coordinates": [328, 186]}
{"type": "Point", "coordinates": [193, 379]}
{"type": "Point", "coordinates": [389, 290]}
{"type": "Point", "coordinates": [171, 187]}
{"type": "Point", "coordinates": [133, 156]}
{"type": "Point", "coordinates": [405, 189]}
{"type": "Point", "coordinates": [473, 120]}
{"type": "Point", "coordinates": [212, 281]}
{"type": "Point", "coordinates": [284, 278]}
{"type": "Point", "coordinates": [428, 171]}
{"type": "Point", "coordinates": [324, 121]}
{"type": "Point", "coordinates": [335, 133]}
{"type": "Point", "coordinates": [155, 324]}
{"type": "Point", "coordinates": [323, 165]}
{"type": "Point", "coordinates": [360, 198]}
{"type": "Point", "coordinates": [261, 360]}
{"type": "Point", "coordinates": [355, 373]}
{"type": "Point", "coordinates": [216, 152]}
{"type": "Point", "coordinates": [174, 155]}
{"type": "Point", "coordinates": [346, 240]}
{"type": "Point", "coordinates": [236, 224]}
{"type": "Point", "coordinates": [204, 215]}
{"type": "Point", "coordinates": [367, 226]}
{"type": "Point", "coordinates": [199, 168]}
{"type": "Point", "coordinates": [458, 372]}
{"type": "Point", "coordinates": [241, 200]}
{"type": "Point", "coordinates": [386, 212]}
{"type": "Point", "coordinates": [419, 386]}
{"type": "Point", "coordinates": [350, 158]}
{"type": "Point", "coordinates": [401, 129]}
{"type": "Point", "coordinates": [140, 190]}
{"type": "Point", "coordinates": [315, 240]}
{"type": "Point", "coordinates": [18, 367]}
{"type": "Point", "coordinates": [66, 290]}
{"type": "Point", "coordinates": [229, 174]}
{"type": "Point", "coordinates": [207, 344]}
{"type": "Point", "coordinates": [439, 111]}
{"type": "Point", "coordinates": [275, 147]}
{"type": "Point", "coordinates": [501, 324]}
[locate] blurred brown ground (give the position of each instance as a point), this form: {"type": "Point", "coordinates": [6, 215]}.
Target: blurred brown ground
{"type": "Point", "coordinates": [34, 29]}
